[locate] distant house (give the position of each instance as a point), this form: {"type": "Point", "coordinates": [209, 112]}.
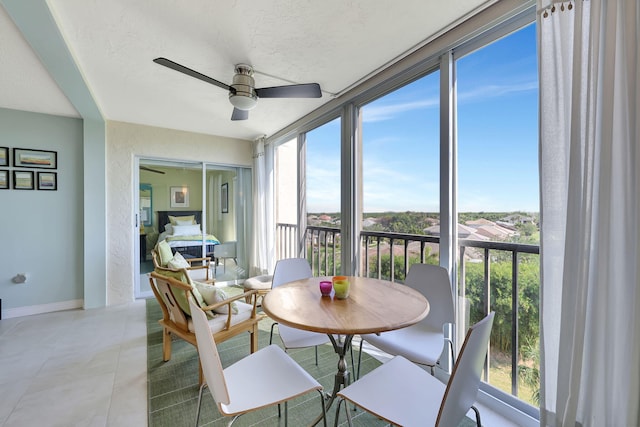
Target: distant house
{"type": "Point", "coordinates": [507, 225]}
{"type": "Point", "coordinates": [490, 229]}
{"type": "Point", "coordinates": [519, 219]}
{"type": "Point", "coordinates": [369, 222]}
{"type": "Point", "coordinates": [324, 218]}
{"type": "Point", "coordinates": [464, 232]}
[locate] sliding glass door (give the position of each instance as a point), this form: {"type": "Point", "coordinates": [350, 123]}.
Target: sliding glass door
{"type": "Point", "coordinates": [215, 199]}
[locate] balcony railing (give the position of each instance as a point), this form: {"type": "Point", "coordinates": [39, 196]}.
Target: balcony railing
{"type": "Point", "coordinates": [322, 248]}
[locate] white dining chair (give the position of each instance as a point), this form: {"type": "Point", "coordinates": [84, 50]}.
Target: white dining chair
{"type": "Point", "coordinates": [403, 393]}
{"type": "Point", "coordinates": [422, 343]}
{"type": "Point", "coordinates": [237, 389]}
{"type": "Point", "coordinates": [289, 270]}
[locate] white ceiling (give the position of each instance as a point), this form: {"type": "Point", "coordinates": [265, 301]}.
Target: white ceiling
{"type": "Point", "coordinates": [335, 43]}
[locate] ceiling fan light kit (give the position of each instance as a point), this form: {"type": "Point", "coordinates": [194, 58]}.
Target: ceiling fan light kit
{"type": "Point", "coordinates": [243, 94]}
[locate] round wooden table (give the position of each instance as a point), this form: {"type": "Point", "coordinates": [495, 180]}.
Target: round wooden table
{"type": "Point", "coordinates": [372, 306]}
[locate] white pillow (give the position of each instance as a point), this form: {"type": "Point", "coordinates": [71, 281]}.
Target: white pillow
{"type": "Point", "coordinates": [186, 230]}
{"type": "Point", "coordinates": [213, 295]}
{"type": "Point", "coordinates": [168, 228]}
{"type": "Point", "coordinates": [178, 222]}
{"type": "Point", "coordinates": [177, 262]}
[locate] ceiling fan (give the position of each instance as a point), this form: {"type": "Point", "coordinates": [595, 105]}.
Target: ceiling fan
{"type": "Point", "coordinates": [243, 94]}
{"type": "Point", "coordinates": [146, 168]}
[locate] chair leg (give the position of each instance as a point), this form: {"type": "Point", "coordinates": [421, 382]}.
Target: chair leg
{"type": "Point", "coordinates": [353, 365]}
{"type": "Point", "coordinates": [324, 409]}
{"type": "Point", "coordinates": [346, 409]}
{"type": "Point", "coordinates": [199, 403]}
{"type": "Point", "coordinates": [478, 422]}
{"type": "Point", "coordinates": [254, 338]}
{"type": "Point", "coordinates": [359, 360]}
{"type": "Point", "coordinates": [166, 345]}
{"type": "Point", "coordinates": [316, 355]}
{"type": "Point", "coordinates": [271, 334]}
{"type": "Point", "coordinates": [286, 413]}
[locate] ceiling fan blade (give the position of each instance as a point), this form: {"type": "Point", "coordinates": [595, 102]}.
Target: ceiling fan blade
{"type": "Point", "coordinates": [145, 168]}
{"type": "Point", "coordinates": [239, 114]}
{"type": "Point", "coordinates": [189, 72]}
{"type": "Point", "coordinates": [308, 90]}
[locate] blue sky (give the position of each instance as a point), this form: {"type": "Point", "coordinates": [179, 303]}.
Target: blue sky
{"type": "Point", "coordinates": [497, 139]}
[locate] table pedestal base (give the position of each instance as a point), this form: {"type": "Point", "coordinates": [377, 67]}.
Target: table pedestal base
{"type": "Point", "coordinates": [341, 378]}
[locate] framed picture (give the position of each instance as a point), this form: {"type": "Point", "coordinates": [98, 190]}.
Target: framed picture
{"type": "Point", "coordinates": [224, 197]}
{"type": "Point", "coordinates": [23, 180]}
{"type": "Point", "coordinates": [47, 181]}
{"type": "Point", "coordinates": [179, 197]}
{"type": "Point", "coordinates": [4, 180]}
{"type": "Point", "coordinates": [23, 158]}
{"type": "Point", "coordinates": [4, 156]}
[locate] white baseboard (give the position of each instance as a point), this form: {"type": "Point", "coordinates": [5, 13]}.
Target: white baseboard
{"type": "Point", "coordinates": [43, 308]}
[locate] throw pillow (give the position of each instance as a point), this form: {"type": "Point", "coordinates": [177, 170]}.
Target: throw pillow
{"type": "Point", "coordinates": [173, 219]}
{"type": "Point", "coordinates": [186, 230]}
{"type": "Point", "coordinates": [213, 295]}
{"type": "Point", "coordinates": [178, 262]}
{"type": "Point", "coordinates": [164, 250]}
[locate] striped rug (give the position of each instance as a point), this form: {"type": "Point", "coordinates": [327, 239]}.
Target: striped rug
{"type": "Point", "coordinates": [173, 385]}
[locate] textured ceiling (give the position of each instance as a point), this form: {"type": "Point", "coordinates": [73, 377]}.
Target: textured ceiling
{"type": "Point", "coordinates": [113, 42]}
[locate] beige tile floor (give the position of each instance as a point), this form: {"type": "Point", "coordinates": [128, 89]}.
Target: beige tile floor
{"type": "Point", "coordinates": [75, 368]}
{"type": "Point", "coordinates": [85, 368]}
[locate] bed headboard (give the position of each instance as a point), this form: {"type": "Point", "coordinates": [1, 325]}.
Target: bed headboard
{"type": "Point", "coordinates": [163, 217]}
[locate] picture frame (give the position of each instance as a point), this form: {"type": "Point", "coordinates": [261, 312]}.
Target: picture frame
{"type": "Point", "coordinates": [224, 198]}
{"type": "Point", "coordinates": [47, 181]}
{"type": "Point", "coordinates": [39, 159]}
{"type": "Point", "coordinates": [179, 197]}
{"type": "Point", "coordinates": [23, 180]}
{"type": "Point", "coordinates": [4, 156]}
{"type": "Point", "coordinates": [4, 180]}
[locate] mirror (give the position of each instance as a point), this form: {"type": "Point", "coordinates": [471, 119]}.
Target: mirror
{"type": "Point", "coordinates": [146, 208]}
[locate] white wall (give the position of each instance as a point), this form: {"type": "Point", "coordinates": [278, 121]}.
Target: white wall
{"type": "Point", "coordinates": [41, 231]}
{"type": "Point", "coordinates": [125, 141]}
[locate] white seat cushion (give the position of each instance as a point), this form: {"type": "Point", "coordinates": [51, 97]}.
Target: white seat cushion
{"type": "Point", "coordinates": [259, 282]}
{"type": "Point", "coordinates": [399, 391]}
{"type": "Point", "coordinates": [418, 343]}
{"type": "Point", "coordinates": [219, 321]}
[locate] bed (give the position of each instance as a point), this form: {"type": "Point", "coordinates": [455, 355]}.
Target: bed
{"type": "Point", "coordinates": [185, 237]}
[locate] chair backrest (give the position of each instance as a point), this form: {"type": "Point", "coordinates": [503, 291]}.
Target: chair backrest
{"type": "Point", "coordinates": [290, 269]}
{"type": "Point", "coordinates": [464, 382]}
{"type": "Point", "coordinates": [168, 301]}
{"type": "Point", "coordinates": [209, 356]}
{"type": "Point", "coordinates": [433, 282]}
{"type": "Point", "coordinates": [155, 257]}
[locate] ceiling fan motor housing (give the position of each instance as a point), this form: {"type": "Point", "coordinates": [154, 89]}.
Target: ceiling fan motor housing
{"type": "Point", "coordinates": [243, 96]}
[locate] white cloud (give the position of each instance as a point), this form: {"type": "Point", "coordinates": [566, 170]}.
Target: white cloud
{"type": "Point", "coordinates": [376, 113]}
{"type": "Point", "coordinates": [493, 91]}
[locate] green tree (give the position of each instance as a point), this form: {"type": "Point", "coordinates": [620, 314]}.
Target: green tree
{"type": "Point", "coordinates": [501, 299]}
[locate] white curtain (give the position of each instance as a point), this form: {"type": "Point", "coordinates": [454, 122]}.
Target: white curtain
{"type": "Point", "coordinates": [589, 176]}
{"type": "Point", "coordinates": [263, 239]}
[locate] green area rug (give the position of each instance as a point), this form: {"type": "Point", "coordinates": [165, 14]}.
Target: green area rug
{"type": "Point", "coordinates": [173, 385]}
